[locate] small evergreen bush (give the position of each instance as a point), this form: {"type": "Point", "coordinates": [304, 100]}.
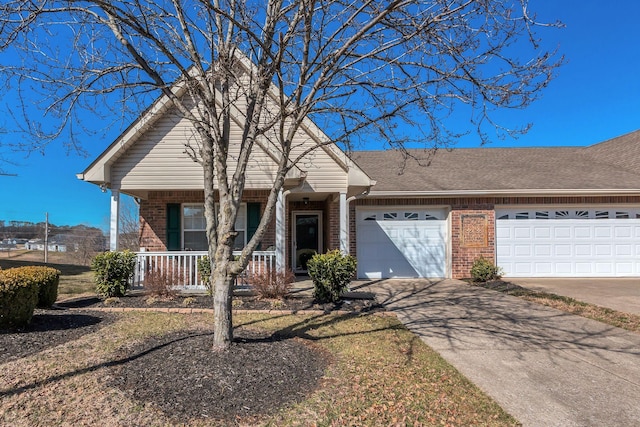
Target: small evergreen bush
{"type": "Point", "coordinates": [331, 274]}
{"type": "Point", "coordinates": [18, 296]}
{"type": "Point", "coordinates": [270, 283]}
{"type": "Point", "coordinates": [113, 271]}
{"type": "Point", "coordinates": [484, 270]}
{"type": "Point", "coordinates": [48, 278]}
{"type": "Point", "coordinates": [204, 270]}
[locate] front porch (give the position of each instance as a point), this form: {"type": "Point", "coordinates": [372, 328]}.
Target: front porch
{"type": "Point", "coordinates": [172, 228]}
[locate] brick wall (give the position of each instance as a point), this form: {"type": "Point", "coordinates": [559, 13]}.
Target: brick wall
{"type": "Point", "coordinates": [153, 215]}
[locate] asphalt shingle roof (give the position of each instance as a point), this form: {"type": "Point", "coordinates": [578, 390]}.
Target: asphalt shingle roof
{"type": "Point", "coordinates": [604, 166]}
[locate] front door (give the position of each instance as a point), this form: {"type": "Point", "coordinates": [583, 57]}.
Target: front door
{"type": "Point", "coordinates": [307, 238]}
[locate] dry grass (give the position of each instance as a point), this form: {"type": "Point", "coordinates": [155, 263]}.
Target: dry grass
{"type": "Point", "coordinates": [381, 374]}
{"type": "Point", "coordinates": [75, 280]}
{"type": "Point", "coordinates": [628, 321]}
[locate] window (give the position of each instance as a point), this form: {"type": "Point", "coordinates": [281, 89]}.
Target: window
{"type": "Point", "coordinates": [522, 215]}
{"type": "Point", "coordinates": [194, 228]}
{"type": "Point", "coordinates": [390, 216]}
{"type": "Point", "coordinates": [411, 215]}
{"type": "Point", "coordinates": [542, 214]}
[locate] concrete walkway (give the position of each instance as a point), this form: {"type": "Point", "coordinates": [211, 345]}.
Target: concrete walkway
{"type": "Point", "coordinates": [543, 366]}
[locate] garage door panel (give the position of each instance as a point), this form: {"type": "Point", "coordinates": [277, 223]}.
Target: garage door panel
{"type": "Point", "coordinates": [624, 250]}
{"type": "Point", "coordinates": [623, 232]}
{"type": "Point", "coordinates": [543, 268]}
{"type": "Point", "coordinates": [543, 250]}
{"type": "Point", "coordinates": [401, 247]}
{"type": "Point", "coordinates": [562, 232]}
{"type": "Point", "coordinates": [562, 250]}
{"type": "Point", "coordinates": [624, 268]}
{"type": "Point", "coordinates": [542, 232]}
{"type": "Point", "coordinates": [582, 232]}
{"type": "Point", "coordinates": [582, 250]}
{"type": "Point", "coordinates": [522, 250]}
{"type": "Point", "coordinates": [602, 232]}
{"type": "Point", "coordinates": [522, 232]}
{"type": "Point", "coordinates": [568, 242]}
{"type": "Point", "coordinates": [603, 250]}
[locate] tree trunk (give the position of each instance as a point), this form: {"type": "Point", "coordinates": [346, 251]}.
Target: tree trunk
{"type": "Point", "coordinates": [222, 320]}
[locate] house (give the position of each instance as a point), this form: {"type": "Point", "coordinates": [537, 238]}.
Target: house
{"type": "Point", "coordinates": [57, 243]}
{"type": "Point", "coordinates": [546, 212]}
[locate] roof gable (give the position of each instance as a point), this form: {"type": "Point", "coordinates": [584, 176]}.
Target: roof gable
{"type": "Point", "coordinates": [150, 154]}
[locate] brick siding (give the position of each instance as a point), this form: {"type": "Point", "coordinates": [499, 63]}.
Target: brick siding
{"type": "Point", "coordinates": [153, 215]}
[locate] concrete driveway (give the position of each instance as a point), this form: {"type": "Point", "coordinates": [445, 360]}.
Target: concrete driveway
{"type": "Point", "coordinates": [545, 367]}
{"type": "Point", "coordinates": [622, 294]}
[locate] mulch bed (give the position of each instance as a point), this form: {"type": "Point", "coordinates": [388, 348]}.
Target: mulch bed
{"type": "Point", "coordinates": [498, 285]}
{"type": "Point", "coordinates": [49, 328]}
{"type": "Point", "coordinates": [181, 375]}
{"type": "Point", "coordinates": [179, 372]}
{"type": "Point", "coordinates": [240, 302]}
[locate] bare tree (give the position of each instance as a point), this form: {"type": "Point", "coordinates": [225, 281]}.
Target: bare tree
{"type": "Point", "coordinates": [392, 71]}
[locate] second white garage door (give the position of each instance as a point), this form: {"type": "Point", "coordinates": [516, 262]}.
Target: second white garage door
{"type": "Point", "coordinates": [568, 242]}
{"type": "Point", "coordinates": [401, 242]}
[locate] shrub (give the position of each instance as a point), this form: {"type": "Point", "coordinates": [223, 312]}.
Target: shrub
{"type": "Point", "coordinates": [188, 301]}
{"type": "Point", "coordinates": [48, 279]}
{"type": "Point", "coordinates": [331, 274]}
{"type": "Point", "coordinates": [204, 270]}
{"type": "Point", "coordinates": [18, 296]}
{"type": "Point", "coordinates": [113, 271]}
{"type": "Point", "coordinates": [161, 282]}
{"type": "Point", "coordinates": [484, 270]}
{"type": "Point", "coordinates": [270, 283]}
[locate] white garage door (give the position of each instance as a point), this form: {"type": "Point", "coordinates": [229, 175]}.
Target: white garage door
{"type": "Point", "coordinates": [568, 242]}
{"type": "Point", "coordinates": [401, 242]}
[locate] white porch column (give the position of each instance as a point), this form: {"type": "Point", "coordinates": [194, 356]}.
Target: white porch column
{"type": "Point", "coordinates": [114, 226]}
{"type": "Point", "coordinates": [344, 224]}
{"type": "Point", "coordinates": [281, 264]}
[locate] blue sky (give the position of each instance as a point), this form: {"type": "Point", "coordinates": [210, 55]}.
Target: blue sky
{"type": "Point", "coordinates": [596, 96]}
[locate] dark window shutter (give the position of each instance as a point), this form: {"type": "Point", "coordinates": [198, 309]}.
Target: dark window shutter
{"type": "Point", "coordinates": [253, 219]}
{"type": "Point", "coordinates": [173, 227]}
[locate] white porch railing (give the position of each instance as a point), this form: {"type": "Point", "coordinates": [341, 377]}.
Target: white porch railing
{"type": "Point", "coordinates": [182, 267]}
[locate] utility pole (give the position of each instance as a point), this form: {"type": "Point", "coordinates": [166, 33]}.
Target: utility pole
{"type": "Point", "coordinates": [46, 237]}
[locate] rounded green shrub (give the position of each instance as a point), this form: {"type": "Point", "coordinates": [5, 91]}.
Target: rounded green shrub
{"type": "Point", "coordinates": [48, 279]}
{"type": "Point", "coordinates": [484, 270]}
{"type": "Point", "coordinates": [113, 272]}
{"type": "Point", "coordinates": [18, 296]}
{"type": "Point", "coordinates": [204, 270]}
{"type": "Point", "coordinates": [331, 274]}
